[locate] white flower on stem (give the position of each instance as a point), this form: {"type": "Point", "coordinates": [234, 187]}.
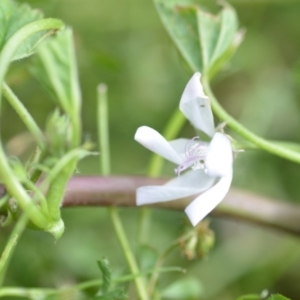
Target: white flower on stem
{"type": "Point", "coordinates": [208, 164]}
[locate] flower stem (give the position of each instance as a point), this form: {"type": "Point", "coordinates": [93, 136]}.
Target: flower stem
{"type": "Point", "coordinates": [274, 148]}
{"type": "Point", "coordinates": [24, 115]}
{"type": "Point", "coordinates": [12, 242]}
{"type": "Point", "coordinates": [103, 137]}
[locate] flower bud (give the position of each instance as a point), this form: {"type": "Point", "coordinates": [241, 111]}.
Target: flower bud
{"type": "Point", "coordinates": [197, 242]}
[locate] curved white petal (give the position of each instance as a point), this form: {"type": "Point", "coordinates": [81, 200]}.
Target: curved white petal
{"type": "Point", "coordinates": [181, 146]}
{"type": "Point", "coordinates": [193, 179]}
{"type": "Point", "coordinates": [155, 142]}
{"type": "Point", "coordinates": [196, 106]}
{"type": "Point", "coordinates": [190, 183]}
{"type": "Point", "coordinates": [207, 201]}
{"type": "Point", "coordinates": [154, 194]}
{"type": "Point", "coordinates": [219, 157]}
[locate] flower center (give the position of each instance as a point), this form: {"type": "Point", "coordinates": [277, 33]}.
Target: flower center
{"type": "Point", "coordinates": [195, 153]}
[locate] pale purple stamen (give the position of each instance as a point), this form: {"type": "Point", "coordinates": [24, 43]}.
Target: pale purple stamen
{"type": "Point", "coordinates": [195, 156]}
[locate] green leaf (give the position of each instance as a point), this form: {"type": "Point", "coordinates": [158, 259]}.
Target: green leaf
{"type": "Point", "coordinates": [261, 297]}
{"type": "Point", "coordinates": [205, 41]}
{"type": "Point", "coordinates": [250, 297]}
{"type": "Point", "coordinates": [221, 31]}
{"type": "Point", "coordinates": [187, 288]}
{"type": "Point", "coordinates": [103, 265]}
{"type": "Point", "coordinates": [181, 24]}
{"type": "Point", "coordinates": [148, 257]}
{"type": "Point", "coordinates": [57, 70]}
{"type": "Point", "coordinates": [278, 297]}
{"type": "Point", "coordinates": [116, 294]}
{"type": "Point", "coordinates": [14, 16]}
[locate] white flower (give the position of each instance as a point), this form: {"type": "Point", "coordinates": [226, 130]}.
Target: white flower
{"type": "Point", "coordinates": [210, 163]}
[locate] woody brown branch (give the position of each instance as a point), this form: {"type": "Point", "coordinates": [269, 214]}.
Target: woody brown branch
{"type": "Point", "coordinates": [238, 204]}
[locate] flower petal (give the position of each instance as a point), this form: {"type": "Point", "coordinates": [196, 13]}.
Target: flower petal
{"type": "Point", "coordinates": [219, 157]}
{"type": "Point", "coordinates": [154, 194]}
{"type": "Point", "coordinates": [196, 106]}
{"type": "Point", "coordinates": [181, 146]}
{"type": "Point", "coordinates": [190, 183]}
{"type": "Point", "coordinates": [207, 201]}
{"type": "Point", "coordinates": [155, 142]}
{"type": "Point", "coordinates": [193, 179]}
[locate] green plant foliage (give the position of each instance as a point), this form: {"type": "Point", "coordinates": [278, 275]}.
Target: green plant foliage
{"type": "Point", "coordinates": [103, 265]}
{"type": "Point", "coordinates": [58, 134]}
{"type": "Point", "coordinates": [186, 288]}
{"type": "Point", "coordinates": [148, 257]}
{"type": "Point", "coordinates": [261, 297]}
{"type": "Point", "coordinates": [278, 297]}
{"type": "Point", "coordinates": [14, 16]}
{"type": "Point", "coordinates": [204, 40]}
{"type": "Point", "coordinates": [117, 293]}
{"type": "Point", "coordinates": [57, 70]}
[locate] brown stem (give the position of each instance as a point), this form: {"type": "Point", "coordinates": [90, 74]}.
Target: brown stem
{"type": "Point", "coordinates": [238, 204]}
{"type": "Point", "coordinates": [120, 191]}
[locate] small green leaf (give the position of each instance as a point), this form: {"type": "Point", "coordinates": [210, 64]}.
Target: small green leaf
{"type": "Point", "coordinates": [278, 297]}
{"type": "Point", "coordinates": [223, 30]}
{"type": "Point", "coordinates": [261, 297]}
{"type": "Point", "coordinates": [103, 265]}
{"type": "Point", "coordinates": [181, 24]}
{"type": "Point", "coordinates": [116, 294]}
{"type": "Point", "coordinates": [148, 257]}
{"type": "Point", "coordinates": [187, 288]}
{"type": "Point", "coordinates": [250, 297]}
{"type": "Point", "coordinates": [205, 41]}
{"type": "Point", "coordinates": [6, 219]}
{"type": "Point", "coordinates": [14, 16]}
{"type": "Point", "coordinates": [57, 70]}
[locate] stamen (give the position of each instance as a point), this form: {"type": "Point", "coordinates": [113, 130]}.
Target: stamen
{"type": "Point", "coordinates": [195, 156]}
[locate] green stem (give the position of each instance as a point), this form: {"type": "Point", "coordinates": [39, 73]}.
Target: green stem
{"type": "Point", "coordinates": [103, 137]}
{"type": "Point", "coordinates": [261, 143]}
{"type": "Point", "coordinates": [42, 293]}
{"type": "Point", "coordinates": [159, 262]}
{"type": "Point", "coordinates": [11, 182]}
{"type": "Point", "coordinates": [11, 244]}
{"type": "Point", "coordinates": [75, 94]}
{"type": "Point", "coordinates": [103, 130]}
{"type": "Point", "coordinates": [121, 235]}
{"type": "Point", "coordinates": [24, 115]}
{"type": "Point", "coordinates": [31, 293]}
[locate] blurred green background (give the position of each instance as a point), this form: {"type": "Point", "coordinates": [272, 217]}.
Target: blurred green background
{"type": "Point", "coordinates": [123, 43]}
